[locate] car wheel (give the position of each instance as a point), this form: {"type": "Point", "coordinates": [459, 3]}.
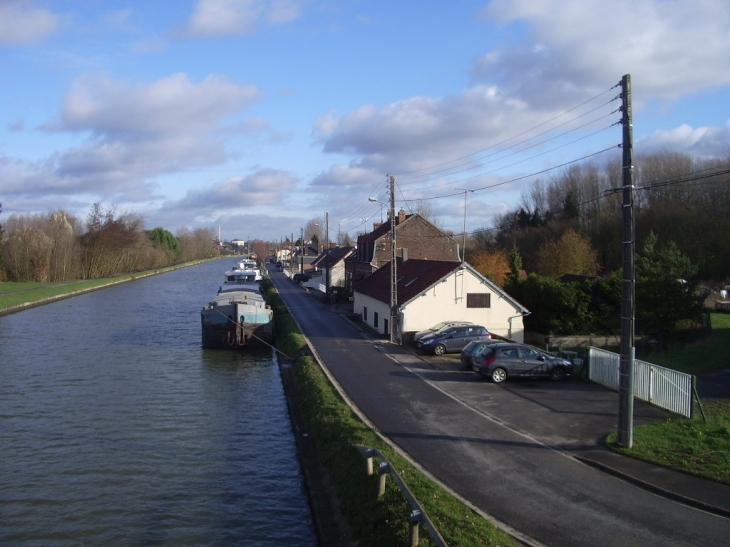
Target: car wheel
{"type": "Point", "coordinates": [499, 375]}
{"type": "Point", "coordinates": [557, 374]}
{"type": "Point", "coordinates": [440, 349]}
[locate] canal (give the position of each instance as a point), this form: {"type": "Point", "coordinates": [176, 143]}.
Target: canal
{"type": "Point", "coordinates": [117, 428]}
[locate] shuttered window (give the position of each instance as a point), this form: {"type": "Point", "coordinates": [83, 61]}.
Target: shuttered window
{"type": "Point", "coordinates": [479, 300]}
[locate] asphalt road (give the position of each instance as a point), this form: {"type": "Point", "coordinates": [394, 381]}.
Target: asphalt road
{"type": "Point", "coordinates": [506, 448]}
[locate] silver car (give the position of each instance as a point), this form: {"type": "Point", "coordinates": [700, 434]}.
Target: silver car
{"type": "Point", "coordinates": [451, 339]}
{"type": "Point", "coordinates": [439, 327]}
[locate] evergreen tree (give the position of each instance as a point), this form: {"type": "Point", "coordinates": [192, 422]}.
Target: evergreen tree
{"type": "Point", "coordinates": [666, 288]}
{"type": "Point", "coordinates": [514, 260]}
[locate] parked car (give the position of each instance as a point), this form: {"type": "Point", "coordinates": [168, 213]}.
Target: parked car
{"type": "Point", "coordinates": [502, 361]}
{"type": "Point", "coordinates": [451, 339]}
{"type": "Point", "coordinates": [474, 348]}
{"type": "Point", "coordinates": [299, 277]}
{"type": "Point", "coordinates": [439, 327]}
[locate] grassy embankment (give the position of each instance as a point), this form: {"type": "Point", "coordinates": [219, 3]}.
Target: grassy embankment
{"type": "Point", "coordinates": [30, 292]}
{"type": "Point", "coordinates": [697, 446]}
{"type": "Point", "coordinates": [377, 522]}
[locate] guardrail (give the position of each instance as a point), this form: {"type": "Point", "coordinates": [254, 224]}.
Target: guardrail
{"type": "Point", "coordinates": [417, 515]}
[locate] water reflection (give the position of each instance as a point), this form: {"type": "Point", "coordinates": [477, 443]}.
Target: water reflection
{"type": "Point", "coordinates": [118, 429]}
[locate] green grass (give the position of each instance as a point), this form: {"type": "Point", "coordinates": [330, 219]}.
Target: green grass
{"type": "Point", "coordinates": [14, 294]}
{"type": "Point", "coordinates": [376, 522]}
{"type": "Point", "coordinates": [17, 293]}
{"type": "Point", "coordinates": [702, 357]}
{"type": "Point", "coordinates": [689, 445]}
{"type": "Point", "coordinates": [697, 446]}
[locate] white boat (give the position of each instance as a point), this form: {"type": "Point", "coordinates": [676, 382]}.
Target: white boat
{"type": "Point", "coordinates": [246, 265]}
{"type": "Point", "coordinates": [238, 315]}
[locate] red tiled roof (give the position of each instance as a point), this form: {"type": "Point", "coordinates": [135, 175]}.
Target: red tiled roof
{"type": "Point", "coordinates": [414, 277]}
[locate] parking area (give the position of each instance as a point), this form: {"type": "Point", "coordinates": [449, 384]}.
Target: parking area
{"type": "Point", "coordinates": [572, 415]}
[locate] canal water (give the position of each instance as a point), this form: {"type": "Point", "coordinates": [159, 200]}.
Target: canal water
{"type": "Point", "coordinates": [117, 428]}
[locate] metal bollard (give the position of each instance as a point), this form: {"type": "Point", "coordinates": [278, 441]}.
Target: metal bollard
{"type": "Point", "coordinates": [383, 471]}
{"type": "Point", "coordinates": [415, 517]}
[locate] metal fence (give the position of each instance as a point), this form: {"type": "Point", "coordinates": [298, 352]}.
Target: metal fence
{"type": "Point", "coordinates": [660, 386]}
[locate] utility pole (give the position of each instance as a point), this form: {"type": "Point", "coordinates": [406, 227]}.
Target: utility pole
{"type": "Point", "coordinates": [628, 295]}
{"type": "Point", "coordinates": [393, 265]}
{"type": "Point", "coordinates": [301, 253]}
{"type": "Point", "coordinates": [463, 249]}
{"type": "Point", "coordinates": [327, 255]}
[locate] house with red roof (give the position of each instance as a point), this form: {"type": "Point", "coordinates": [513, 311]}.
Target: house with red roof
{"type": "Point", "coordinates": [431, 291]}
{"type": "Point", "coordinates": [416, 238]}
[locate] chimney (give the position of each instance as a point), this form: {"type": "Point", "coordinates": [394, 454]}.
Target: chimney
{"type": "Point", "coordinates": [401, 215]}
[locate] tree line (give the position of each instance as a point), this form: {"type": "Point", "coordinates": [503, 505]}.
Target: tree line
{"type": "Point", "coordinates": [57, 246]}
{"type": "Point", "coordinates": [572, 224]}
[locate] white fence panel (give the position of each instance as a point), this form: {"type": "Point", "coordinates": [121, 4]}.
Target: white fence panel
{"type": "Point", "coordinates": [660, 386]}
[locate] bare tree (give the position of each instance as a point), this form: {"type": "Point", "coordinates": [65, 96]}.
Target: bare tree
{"type": "Point", "coordinates": [111, 244]}
{"type": "Point", "coordinates": [27, 255]}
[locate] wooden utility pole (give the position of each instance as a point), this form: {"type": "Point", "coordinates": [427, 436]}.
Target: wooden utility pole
{"type": "Point", "coordinates": [628, 295]}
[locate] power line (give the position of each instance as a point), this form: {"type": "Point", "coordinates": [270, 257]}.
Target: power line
{"type": "Point", "coordinates": [403, 175]}
{"type": "Point", "coordinates": [522, 177]}
{"type": "Point", "coordinates": [421, 178]}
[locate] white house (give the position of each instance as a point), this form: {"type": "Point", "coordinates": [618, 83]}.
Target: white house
{"type": "Point", "coordinates": [332, 267]}
{"type": "Point", "coordinates": [429, 292]}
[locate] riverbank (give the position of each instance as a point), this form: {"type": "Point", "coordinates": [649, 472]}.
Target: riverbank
{"type": "Point", "coordinates": [15, 297]}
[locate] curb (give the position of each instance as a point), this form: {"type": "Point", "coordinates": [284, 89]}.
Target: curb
{"type": "Point", "coordinates": [685, 500]}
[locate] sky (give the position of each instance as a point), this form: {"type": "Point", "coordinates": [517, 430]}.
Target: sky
{"type": "Point", "coordinates": [253, 117]}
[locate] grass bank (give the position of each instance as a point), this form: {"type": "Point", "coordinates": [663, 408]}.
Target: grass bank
{"type": "Point", "coordinates": [15, 296]}
{"type": "Point", "coordinates": [701, 445]}
{"type": "Point", "coordinates": [373, 521]}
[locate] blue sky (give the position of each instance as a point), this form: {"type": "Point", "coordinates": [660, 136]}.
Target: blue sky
{"type": "Point", "coordinates": [257, 116]}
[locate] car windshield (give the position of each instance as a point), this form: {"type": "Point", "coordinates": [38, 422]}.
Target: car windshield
{"type": "Point", "coordinates": [439, 326]}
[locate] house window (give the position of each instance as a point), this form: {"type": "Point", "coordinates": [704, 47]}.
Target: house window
{"type": "Point", "coordinates": [364, 313]}
{"type": "Point", "coordinates": [375, 319]}
{"type": "Point", "coordinates": [386, 326]}
{"type": "Point", "coordinates": [479, 300]}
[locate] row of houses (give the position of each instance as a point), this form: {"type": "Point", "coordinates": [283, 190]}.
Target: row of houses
{"type": "Point", "coordinates": [433, 283]}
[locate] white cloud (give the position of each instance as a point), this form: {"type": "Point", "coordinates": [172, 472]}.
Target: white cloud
{"type": "Point", "coordinates": [238, 17]}
{"type": "Point", "coordinates": [699, 141]}
{"type": "Point", "coordinates": [671, 48]}
{"type": "Point", "coordinates": [425, 131]}
{"type": "Point", "coordinates": [136, 132]}
{"type": "Point", "coordinates": [170, 106]}
{"type": "Point", "coordinates": [264, 187]}
{"type": "Point", "coordinates": [22, 23]}
{"type": "Point", "coordinates": [341, 175]}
